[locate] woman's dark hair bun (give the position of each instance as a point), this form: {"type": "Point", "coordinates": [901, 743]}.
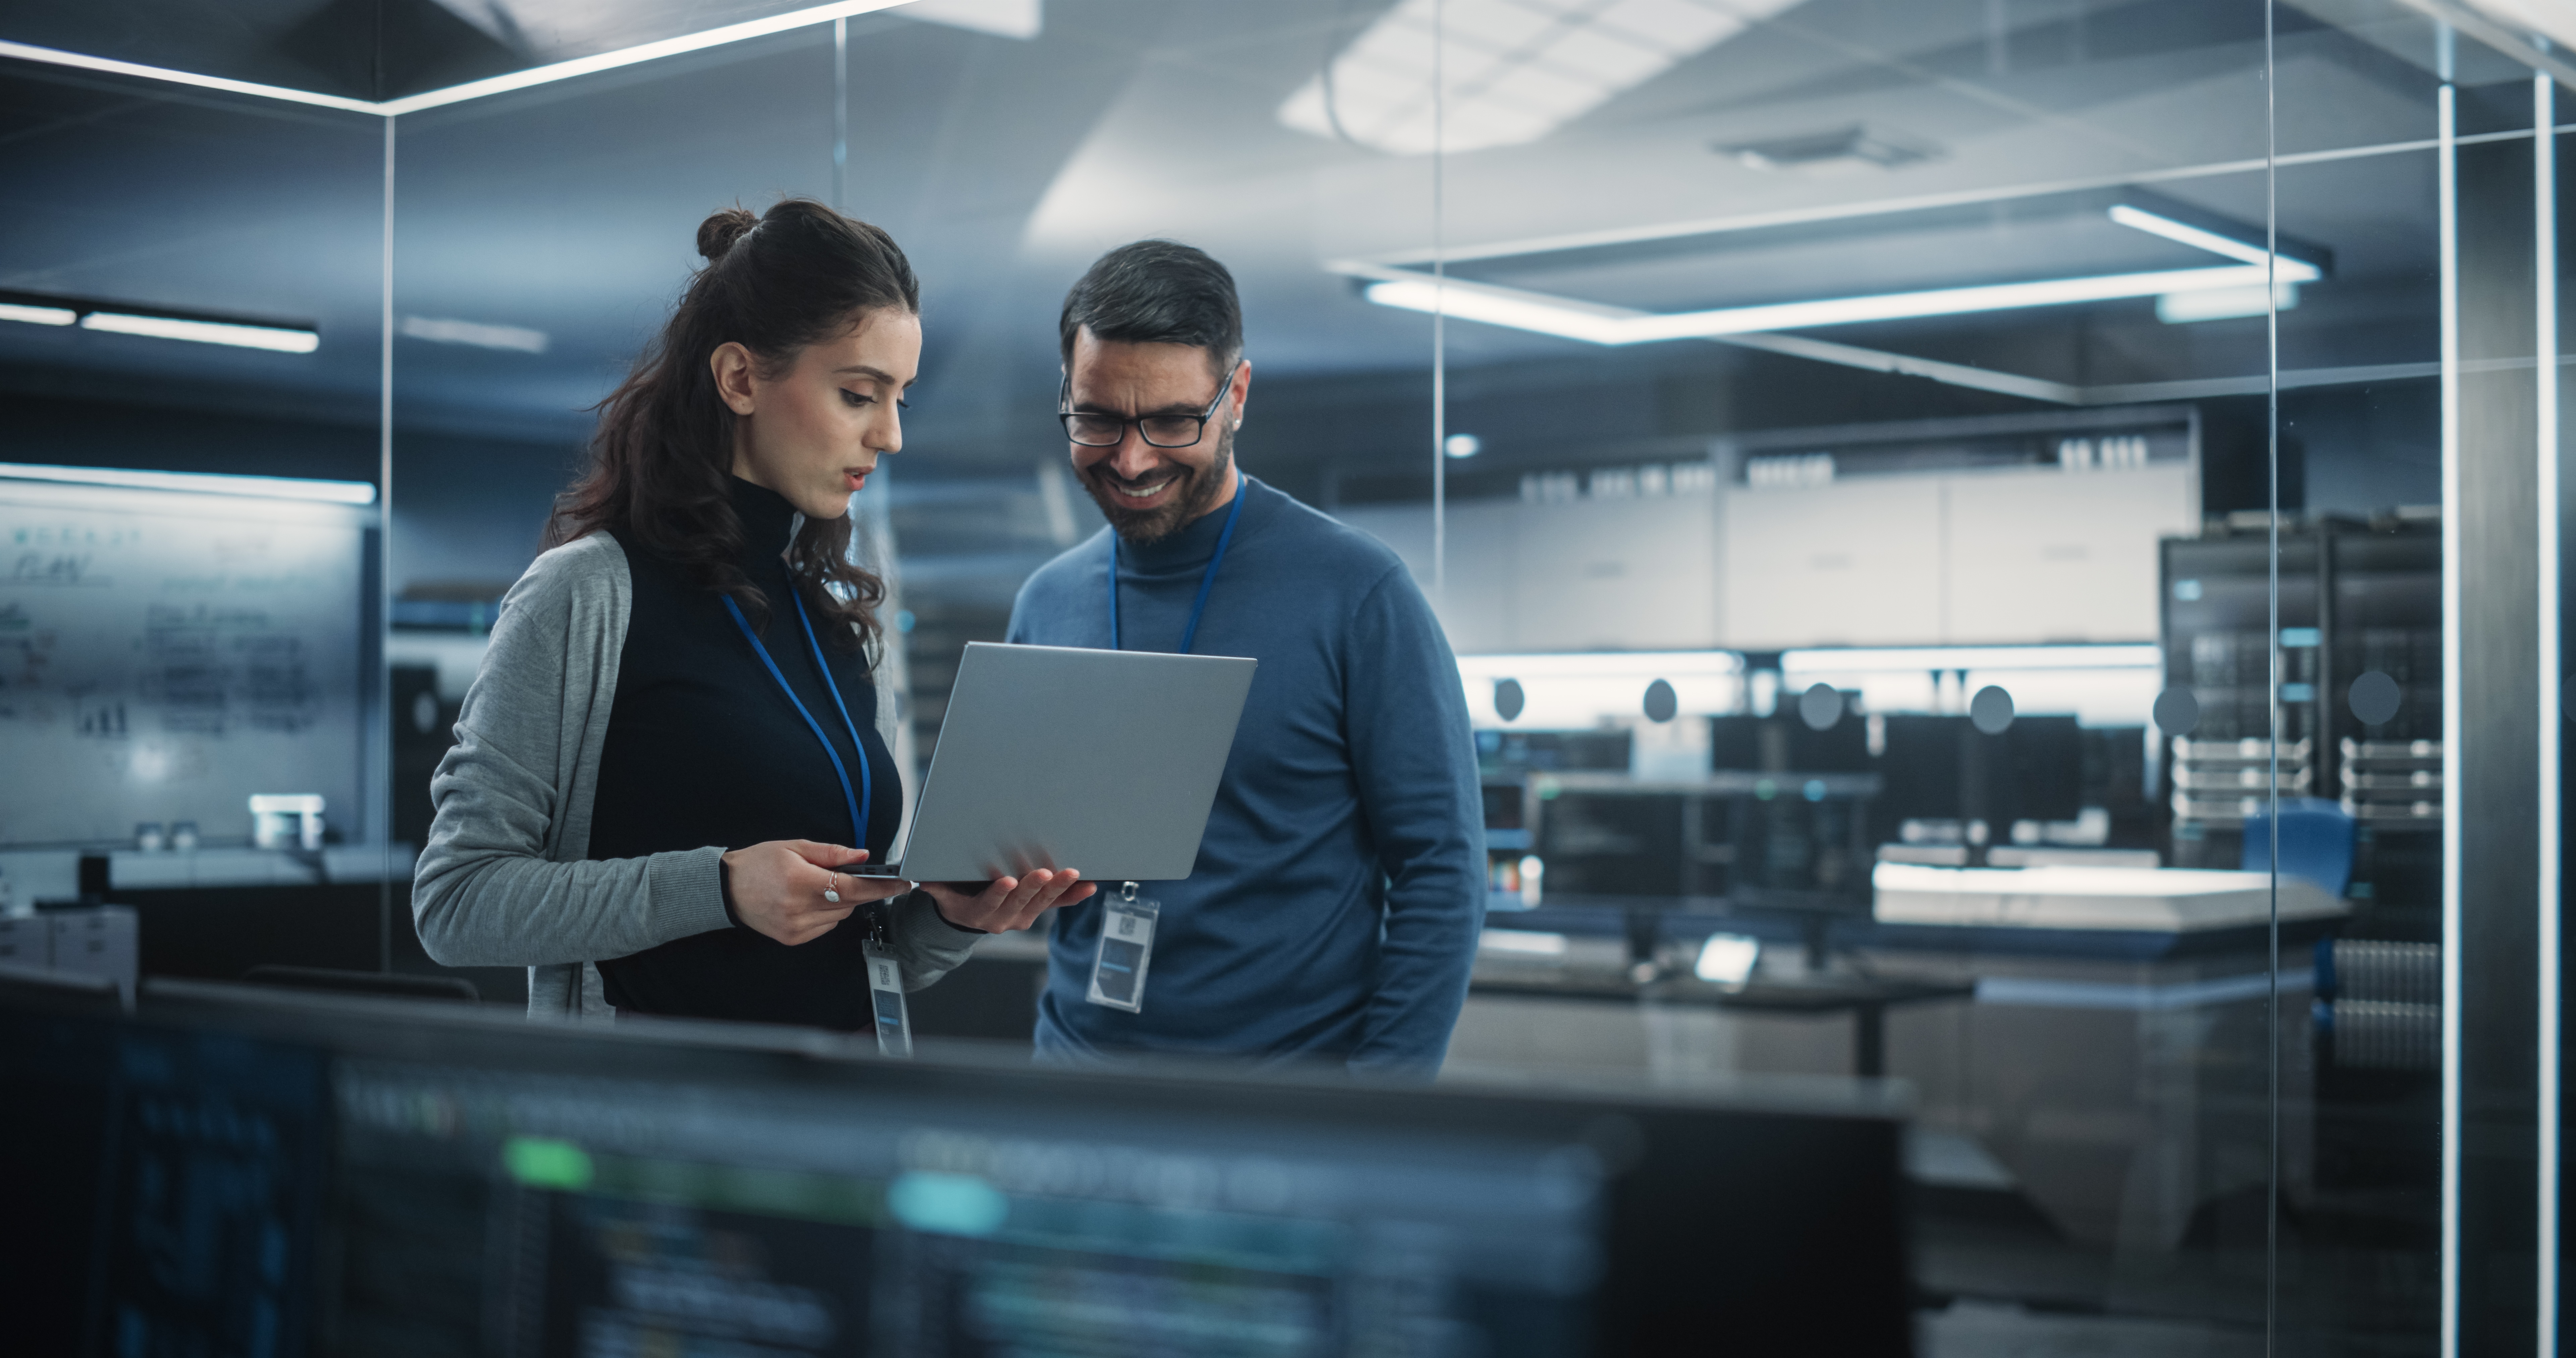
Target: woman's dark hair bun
{"type": "Point", "coordinates": [718, 233]}
{"type": "Point", "coordinates": [661, 464]}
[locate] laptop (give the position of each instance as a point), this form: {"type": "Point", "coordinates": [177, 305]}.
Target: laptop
{"type": "Point", "coordinates": [1105, 762]}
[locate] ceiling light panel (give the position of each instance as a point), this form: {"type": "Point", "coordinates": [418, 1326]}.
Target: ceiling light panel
{"type": "Point", "coordinates": [1512, 71]}
{"type": "Point", "coordinates": [440, 330]}
{"type": "Point", "coordinates": [273, 338]}
{"type": "Point", "coordinates": [37, 315]}
{"type": "Point", "coordinates": [1617, 326]}
{"type": "Point", "coordinates": [2068, 277]}
{"type": "Point", "coordinates": [2225, 304]}
{"type": "Point", "coordinates": [202, 483]}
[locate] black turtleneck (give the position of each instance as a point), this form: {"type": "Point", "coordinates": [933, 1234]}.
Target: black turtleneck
{"type": "Point", "coordinates": [704, 749]}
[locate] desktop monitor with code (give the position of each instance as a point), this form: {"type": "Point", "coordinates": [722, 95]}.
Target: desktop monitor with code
{"type": "Point", "coordinates": [497, 1188]}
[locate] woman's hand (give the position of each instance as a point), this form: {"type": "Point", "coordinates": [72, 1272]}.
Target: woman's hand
{"type": "Point", "coordinates": [778, 887]}
{"type": "Point", "coordinates": [1008, 904]}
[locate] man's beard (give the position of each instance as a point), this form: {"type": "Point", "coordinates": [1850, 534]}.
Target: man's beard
{"type": "Point", "coordinates": [1197, 494]}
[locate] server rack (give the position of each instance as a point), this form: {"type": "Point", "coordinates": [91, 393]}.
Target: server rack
{"type": "Point", "coordinates": [2356, 599]}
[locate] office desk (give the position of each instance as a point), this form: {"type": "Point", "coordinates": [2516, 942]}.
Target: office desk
{"type": "Point", "coordinates": [1866, 999]}
{"type": "Point", "coordinates": [2120, 1058]}
{"type": "Point", "coordinates": [2122, 1075]}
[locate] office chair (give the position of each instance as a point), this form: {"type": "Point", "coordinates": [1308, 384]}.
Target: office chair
{"type": "Point", "coordinates": [2316, 843]}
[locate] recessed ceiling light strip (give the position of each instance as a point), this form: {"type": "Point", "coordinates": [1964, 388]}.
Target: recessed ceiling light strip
{"type": "Point", "coordinates": [1619, 326]}
{"type": "Point", "coordinates": [126, 319]}
{"type": "Point", "coordinates": [1598, 324]}
{"type": "Point", "coordinates": [37, 315]}
{"type": "Point", "coordinates": [276, 339]}
{"type": "Point", "coordinates": [203, 483]}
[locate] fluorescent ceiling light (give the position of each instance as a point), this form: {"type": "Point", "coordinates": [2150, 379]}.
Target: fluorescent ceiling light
{"type": "Point", "coordinates": [441, 331]}
{"type": "Point", "coordinates": [1876, 659]}
{"type": "Point", "coordinates": [277, 338]}
{"type": "Point", "coordinates": [1618, 325]}
{"type": "Point", "coordinates": [1508, 307]}
{"type": "Point", "coordinates": [1610, 325]}
{"type": "Point", "coordinates": [2222, 304]}
{"type": "Point", "coordinates": [37, 315]}
{"type": "Point", "coordinates": [260, 487]}
{"type": "Point", "coordinates": [2155, 225]}
{"type": "Point", "coordinates": [1511, 71]}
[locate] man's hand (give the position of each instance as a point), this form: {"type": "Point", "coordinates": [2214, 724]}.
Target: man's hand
{"type": "Point", "coordinates": [778, 887]}
{"type": "Point", "coordinates": [1007, 903]}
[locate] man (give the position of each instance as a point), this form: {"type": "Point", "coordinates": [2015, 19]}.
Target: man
{"type": "Point", "coordinates": [1334, 908]}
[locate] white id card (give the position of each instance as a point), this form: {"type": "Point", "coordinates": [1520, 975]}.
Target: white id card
{"type": "Point", "coordinates": [885, 994]}
{"type": "Point", "coordinates": [1126, 945]}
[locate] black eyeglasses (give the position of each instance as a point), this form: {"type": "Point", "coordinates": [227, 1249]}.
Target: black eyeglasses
{"type": "Point", "coordinates": [1092, 429]}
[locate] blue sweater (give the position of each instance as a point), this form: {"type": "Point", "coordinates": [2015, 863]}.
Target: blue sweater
{"type": "Point", "coordinates": [1335, 905]}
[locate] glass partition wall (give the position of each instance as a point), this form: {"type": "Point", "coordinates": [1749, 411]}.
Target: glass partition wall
{"type": "Point", "coordinates": [2006, 547]}
{"type": "Point", "coordinates": [1890, 365]}
{"type": "Point", "coordinates": [189, 517]}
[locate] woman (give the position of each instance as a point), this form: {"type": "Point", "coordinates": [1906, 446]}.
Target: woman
{"type": "Point", "coordinates": [672, 743]}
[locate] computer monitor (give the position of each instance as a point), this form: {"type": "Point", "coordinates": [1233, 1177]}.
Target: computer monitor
{"type": "Point", "coordinates": [165, 1185]}
{"type": "Point", "coordinates": [2042, 769]}
{"type": "Point", "coordinates": [498, 1187]}
{"type": "Point", "coordinates": [1787, 744]}
{"type": "Point", "coordinates": [1942, 768]}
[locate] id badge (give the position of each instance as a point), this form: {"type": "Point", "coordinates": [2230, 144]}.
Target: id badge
{"type": "Point", "coordinates": [1126, 945]}
{"type": "Point", "coordinates": [885, 996]}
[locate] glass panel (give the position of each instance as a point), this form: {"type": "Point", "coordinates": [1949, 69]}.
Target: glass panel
{"type": "Point", "coordinates": [189, 350]}
{"type": "Point", "coordinates": [1842, 415]}
{"type": "Point", "coordinates": [2358, 813]}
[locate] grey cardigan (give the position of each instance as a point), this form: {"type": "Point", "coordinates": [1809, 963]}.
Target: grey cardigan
{"type": "Point", "coordinates": [504, 879]}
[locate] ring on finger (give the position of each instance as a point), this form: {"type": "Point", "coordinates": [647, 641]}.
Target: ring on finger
{"type": "Point", "coordinates": [830, 882]}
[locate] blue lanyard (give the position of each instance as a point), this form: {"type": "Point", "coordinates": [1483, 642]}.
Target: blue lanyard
{"type": "Point", "coordinates": [867, 789]}
{"type": "Point", "coordinates": [1207, 581]}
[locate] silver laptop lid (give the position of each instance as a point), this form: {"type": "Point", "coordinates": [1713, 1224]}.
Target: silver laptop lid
{"type": "Point", "coordinates": [1106, 762]}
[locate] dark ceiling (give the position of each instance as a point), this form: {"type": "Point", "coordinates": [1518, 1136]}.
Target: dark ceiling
{"type": "Point", "coordinates": [1004, 164]}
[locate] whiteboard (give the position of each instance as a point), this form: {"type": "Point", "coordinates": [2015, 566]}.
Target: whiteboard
{"type": "Point", "coordinates": [165, 654]}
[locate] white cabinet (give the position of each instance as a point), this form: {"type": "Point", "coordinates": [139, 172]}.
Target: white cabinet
{"type": "Point", "coordinates": [2056, 556]}
{"type": "Point", "coordinates": [2008, 556]}
{"type": "Point", "coordinates": [1855, 563]}
{"type": "Point", "coordinates": [1605, 575]}
{"type": "Point", "coordinates": [1592, 575]}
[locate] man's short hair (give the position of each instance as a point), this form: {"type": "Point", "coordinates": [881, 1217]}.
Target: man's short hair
{"type": "Point", "coordinates": [1157, 292]}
